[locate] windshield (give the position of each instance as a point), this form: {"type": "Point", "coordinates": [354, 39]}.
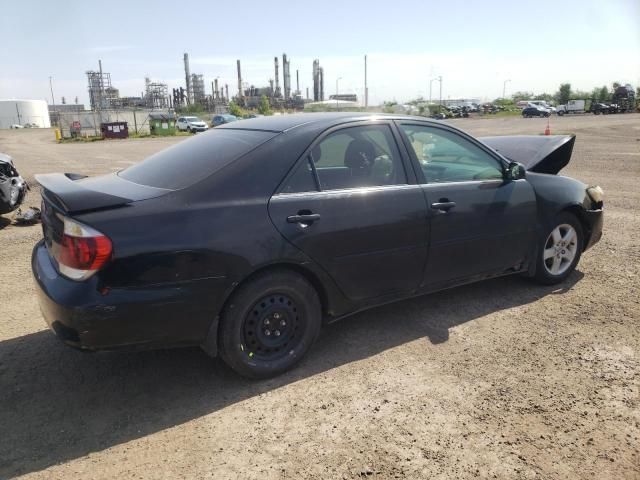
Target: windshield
{"type": "Point", "coordinates": [192, 119]}
{"type": "Point", "coordinates": [194, 159]}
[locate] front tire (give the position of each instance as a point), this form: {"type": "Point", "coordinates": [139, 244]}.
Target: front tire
{"type": "Point", "coordinates": [560, 250]}
{"type": "Point", "coordinates": [269, 324]}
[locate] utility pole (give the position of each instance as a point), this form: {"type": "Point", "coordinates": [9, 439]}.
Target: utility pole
{"type": "Point", "coordinates": [440, 80]}
{"type": "Point", "coordinates": [53, 102]}
{"type": "Point", "coordinates": [337, 80]}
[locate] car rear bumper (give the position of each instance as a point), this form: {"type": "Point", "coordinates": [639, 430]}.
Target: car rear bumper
{"type": "Point", "coordinates": [88, 316]}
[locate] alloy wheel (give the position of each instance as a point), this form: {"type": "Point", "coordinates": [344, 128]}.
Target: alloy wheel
{"type": "Point", "coordinates": [560, 249]}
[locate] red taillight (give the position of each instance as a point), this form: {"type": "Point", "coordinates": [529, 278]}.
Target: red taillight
{"type": "Point", "coordinates": [85, 253]}
{"type": "Point", "coordinates": [83, 250]}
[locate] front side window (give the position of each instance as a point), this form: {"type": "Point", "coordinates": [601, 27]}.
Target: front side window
{"type": "Point", "coordinates": [445, 156]}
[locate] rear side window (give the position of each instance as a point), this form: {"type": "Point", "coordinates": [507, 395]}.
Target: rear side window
{"type": "Point", "coordinates": [192, 160]}
{"type": "Point", "coordinates": [352, 157]}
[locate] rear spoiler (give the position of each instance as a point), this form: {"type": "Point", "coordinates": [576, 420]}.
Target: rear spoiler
{"type": "Point", "coordinates": [538, 153]}
{"type": "Point", "coordinates": [68, 194]}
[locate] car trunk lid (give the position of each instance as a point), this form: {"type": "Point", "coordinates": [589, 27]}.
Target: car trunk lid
{"type": "Point", "coordinates": [69, 195]}
{"type": "Point", "coordinates": [72, 193]}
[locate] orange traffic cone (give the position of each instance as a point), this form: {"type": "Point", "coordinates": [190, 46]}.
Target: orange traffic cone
{"type": "Point", "coordinates": [547, 130]}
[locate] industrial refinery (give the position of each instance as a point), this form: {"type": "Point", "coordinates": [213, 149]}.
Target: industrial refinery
{"type": "Point", "coordinates": [104, 95]}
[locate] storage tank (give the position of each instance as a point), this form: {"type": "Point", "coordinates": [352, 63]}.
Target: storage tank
{"type": "Point", "coordinates": [23, 112]}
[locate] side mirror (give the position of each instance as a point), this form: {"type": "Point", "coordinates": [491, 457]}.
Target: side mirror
{"type": "Point", "coordinates": [516, 171]}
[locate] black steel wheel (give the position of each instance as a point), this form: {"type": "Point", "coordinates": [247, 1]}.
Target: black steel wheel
{"type": "Point", "coordinates": [269, 324]}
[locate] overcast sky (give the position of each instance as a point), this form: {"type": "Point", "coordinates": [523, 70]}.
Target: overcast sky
{"type": "Point", "coordinates": [474, 46]}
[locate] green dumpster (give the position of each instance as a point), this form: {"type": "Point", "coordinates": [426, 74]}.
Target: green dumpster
{"type": "Point", "coordinates": [162, 123]}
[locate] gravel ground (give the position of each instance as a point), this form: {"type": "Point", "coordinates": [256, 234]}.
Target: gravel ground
{"type": "Point", "coordinates": [500, 379]}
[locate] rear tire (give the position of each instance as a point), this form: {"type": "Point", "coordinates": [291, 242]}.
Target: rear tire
{"type": "Point", "coordinates": [560, 250]}
{"type": "Point", "coordinates": [269, 324]}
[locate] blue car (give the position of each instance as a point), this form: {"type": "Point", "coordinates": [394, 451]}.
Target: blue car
{"type": "Point", "coordinates": [218, 120]}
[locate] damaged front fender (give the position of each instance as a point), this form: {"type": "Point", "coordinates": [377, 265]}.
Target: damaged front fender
{"type": "Point", "coordinates": [13, 187]}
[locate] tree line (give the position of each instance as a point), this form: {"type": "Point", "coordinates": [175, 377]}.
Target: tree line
{"type": "Point", "coordinates": [565, 93]}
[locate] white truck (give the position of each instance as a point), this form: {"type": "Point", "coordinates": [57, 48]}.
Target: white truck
{"type": "Point", "coordinates": [572, 106]}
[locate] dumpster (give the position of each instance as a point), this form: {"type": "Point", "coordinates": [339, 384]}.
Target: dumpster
{"type": "Point", "coordinates": [162, 123]}
{"type": "Point", "coordinates": [114, 130]}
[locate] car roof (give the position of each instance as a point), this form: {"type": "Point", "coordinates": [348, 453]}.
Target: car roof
{"type": "Point", "coordinates": [282, 123]}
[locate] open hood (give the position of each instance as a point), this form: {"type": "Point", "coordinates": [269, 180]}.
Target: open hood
{"type": "Point", "coordinates": [538, 153]}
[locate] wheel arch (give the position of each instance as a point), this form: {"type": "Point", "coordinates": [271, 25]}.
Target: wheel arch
{"type": "Point", "coordinates": [578, 211]}
{"type": "Point", "coordinates": [210, 344]}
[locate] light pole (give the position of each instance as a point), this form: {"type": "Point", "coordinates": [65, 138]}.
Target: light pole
{"type": "Point", "coordinates": [504, 88]}
{"type": "Point", "coordinates": [439, 79]}
{"type": "Point", "coordinates": [337, 80]}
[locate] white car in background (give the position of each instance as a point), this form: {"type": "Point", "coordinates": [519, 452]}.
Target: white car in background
{"type": "Point", "coordinates": [191, 124]}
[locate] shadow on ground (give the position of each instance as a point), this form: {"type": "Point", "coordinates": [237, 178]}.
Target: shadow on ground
{"type": "Point", "coordinates": [58, 404]}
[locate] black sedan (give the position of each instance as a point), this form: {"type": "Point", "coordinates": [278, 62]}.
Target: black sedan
{"type": "Point", "coordinates": [246, 239]}
{"type": "Point", "coordinates": [534, 111]}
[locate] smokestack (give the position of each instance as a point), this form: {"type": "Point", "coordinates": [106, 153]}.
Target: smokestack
{"type": "Point", "coordinates": [239, 81]}
{"type": "Point", "coordinates": [215, 82]}
{"type": "Point", "coordinates": [277, 92]}
{"type": "Point", "coordinates": [307, 93]}
{"type": "Point", "coordinates": [316, 80]}
{"type": "Point", "coordinates": [298, 81]}
{"type": "Point", "coordinates": [226, 87]}
{"type": "Point", "coordinates": [101, 86]}
{"type": "Point", "coordinates": [366, 87]}
{"type": "Point", "coordinates": [286, 76]}
{"type": "Point", "coordinates": [187, 75]}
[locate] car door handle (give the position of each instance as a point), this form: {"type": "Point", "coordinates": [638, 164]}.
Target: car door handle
{"type": "Point", "coordinates": [443, 206]}
{"type": "Point", "coordinates": [305, 218]}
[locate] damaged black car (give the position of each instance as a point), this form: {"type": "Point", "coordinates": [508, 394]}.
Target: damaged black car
{"type": "Point", "coordinates": [13, 188]}
{"type": "Point", "coordinates": [246, 239]}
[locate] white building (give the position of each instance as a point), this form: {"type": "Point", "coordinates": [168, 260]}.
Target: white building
{"type": "Point", "coordinates": [22, 112]}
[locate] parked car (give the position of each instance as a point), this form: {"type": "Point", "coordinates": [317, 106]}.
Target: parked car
{"type": "Point", "coordinates": [535, 111]}
{"type": "Point", "coordinates": [543, 104]}
{"type": "Point", "coordinates": [191, 124]}
{"type": "Point", "coordinates": [602, 108]}
{"type": "Point", "coordinates": [218, 120]}
{"type": "Point", "coordinates": [16, 125]}
{"type": "Point", "coordinates": [246, 239]}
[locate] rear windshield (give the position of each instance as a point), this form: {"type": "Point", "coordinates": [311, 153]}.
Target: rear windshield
{"type": "Point", "coordinates": [192, 160]}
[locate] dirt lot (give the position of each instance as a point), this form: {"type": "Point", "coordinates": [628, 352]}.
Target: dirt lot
{"type": "Point", "coordinates": [501, 379]}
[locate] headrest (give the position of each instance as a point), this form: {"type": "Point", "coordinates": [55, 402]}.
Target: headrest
{"type": "Point", "coordinates": [360, 154]}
